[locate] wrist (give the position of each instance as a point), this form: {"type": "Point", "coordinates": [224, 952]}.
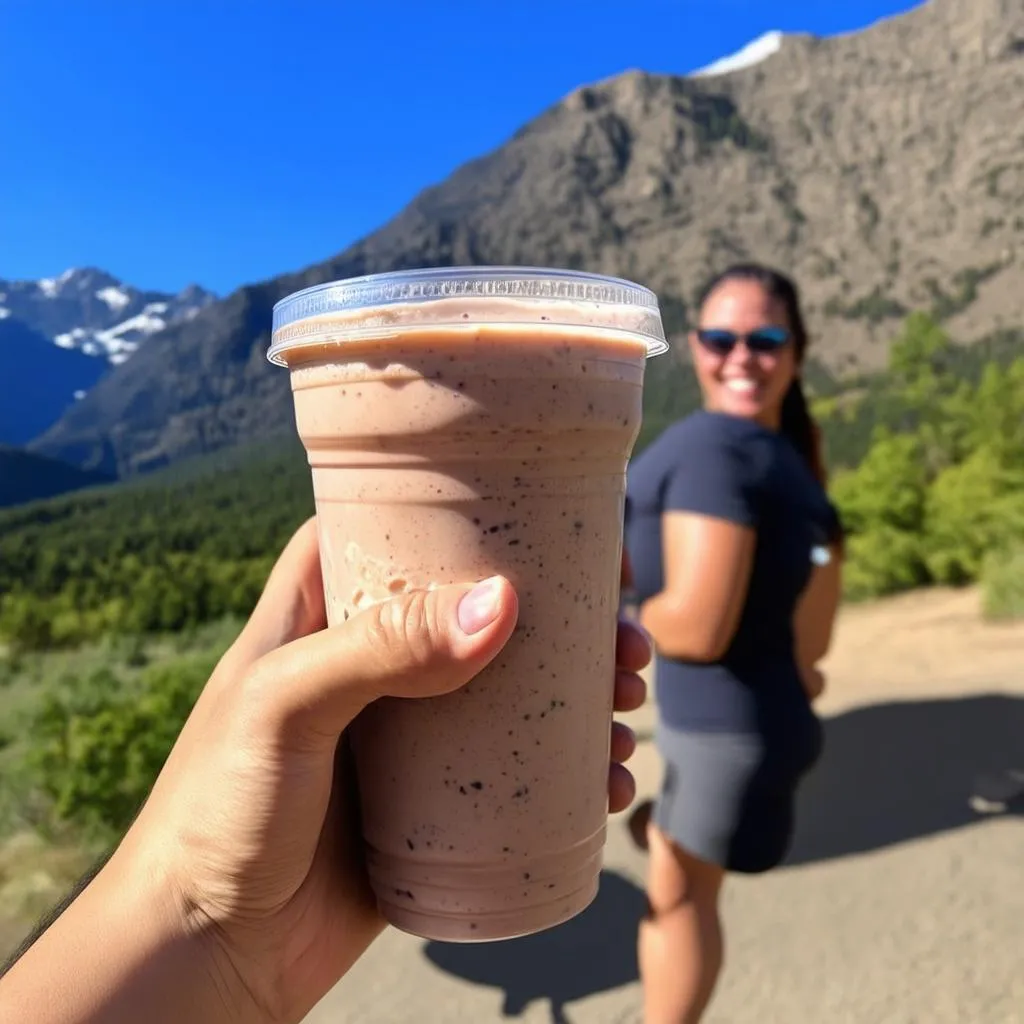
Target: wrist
{"type": "Point", "coordinates": [125, 951]}
{"type": "Point", "coordinates": [189, 955]}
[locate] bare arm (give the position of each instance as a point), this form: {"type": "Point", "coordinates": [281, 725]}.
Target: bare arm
{"type": "Point", "coordinates": [707, 572]}
{"type": "Point", "coordinates": [815, 614]}
{"type": "Point", "coordinates": [816, 610]}
{"type": "Point", "coordinates": [120, 953]}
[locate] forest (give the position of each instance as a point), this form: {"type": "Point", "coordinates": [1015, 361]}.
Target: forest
{"type": "Point", "coordinates": [928, 473]}
{"type": "Point", "coordinates": [116, 602]}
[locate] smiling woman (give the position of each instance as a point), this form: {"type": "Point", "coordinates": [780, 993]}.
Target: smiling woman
{"type": "Point", "coordinates": [734, 549]}
{"type": "Point", "coordinates": [761, 381]}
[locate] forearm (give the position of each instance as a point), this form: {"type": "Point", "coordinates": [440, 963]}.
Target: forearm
{"type": "Point", "coordinates": [816, 613]}
{"type": "Point", "coordinates": [122, 953]}
{"type": "Point", "coordinates": [52, 915]}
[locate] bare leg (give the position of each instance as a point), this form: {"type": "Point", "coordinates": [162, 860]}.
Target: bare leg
{"type": "Point", "coordinates": [681, 945]}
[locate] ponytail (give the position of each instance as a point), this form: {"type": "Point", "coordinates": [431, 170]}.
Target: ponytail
{"type": "Point", "coordinates": [799, 427]}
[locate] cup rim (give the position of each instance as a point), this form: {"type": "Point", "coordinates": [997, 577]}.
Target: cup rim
{"type": "Point", "coordinates": [607, 303]}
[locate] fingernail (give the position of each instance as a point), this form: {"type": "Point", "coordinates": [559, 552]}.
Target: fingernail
{"type": "Point", "coordinates": [479, 608]}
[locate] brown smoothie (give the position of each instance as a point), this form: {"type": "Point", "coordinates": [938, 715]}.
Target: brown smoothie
{"type": "Point", "coordinates": [450, 453]}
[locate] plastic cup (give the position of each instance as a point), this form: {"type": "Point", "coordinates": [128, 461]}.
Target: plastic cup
{"type": "Point", "coordinates": [462, 423]}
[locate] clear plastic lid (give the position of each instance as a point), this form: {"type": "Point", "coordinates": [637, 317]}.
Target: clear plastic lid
{"type": "Point", "coordinates": [379, 305]}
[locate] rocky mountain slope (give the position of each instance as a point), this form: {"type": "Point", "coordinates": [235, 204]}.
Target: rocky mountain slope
{"type": "Point", "coordinates": [884, 168]}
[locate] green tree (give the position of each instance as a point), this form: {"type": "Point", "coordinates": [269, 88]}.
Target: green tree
{"type": "Point", "coordinates": [25, 622]}
{"type": "Point", "coordinates": [97, 745]}
{"type": "Point", "coordinates": [973, 508]}
{"type": "Point", "coordinates": [887, 489]}
{"type": "Point", "coordinates": [995, 415]}
{"type": "Point", "coordinates": [933, 397]}
{"type": "Point", "coordinates": [883, 561]}
{"type": "Point", "coordinates": [882, 504]}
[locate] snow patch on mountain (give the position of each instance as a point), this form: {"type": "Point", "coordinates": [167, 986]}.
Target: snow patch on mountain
{"type": "Point", "coordinates": [115, 298]}
{"type": "Point", "coordinates": [92, 311]}
{"type": "Point", "coordinates": [121, 341]}
{"type": "Point", "coordinates": [70, 339]}
{"type": "Point", "coordinates": [752, 54]}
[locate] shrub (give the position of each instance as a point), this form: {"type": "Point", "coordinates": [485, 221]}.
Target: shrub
{"type": "Point", "coordinates": [1002, 584]}
{"type": "Point", "coordinates": [883, 561]}
{"type": "Point", "coordinates": [973, 508]}
{"type": "Point", "coordinates": [98, 744]}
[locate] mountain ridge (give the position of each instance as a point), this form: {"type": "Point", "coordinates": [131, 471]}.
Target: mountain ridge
{"type": "Point", "coordinates": [875, 166]}
{"type": "Point", "coordinates": [60, 335]}
{"type": "Point", "coordinates": [89, 309]}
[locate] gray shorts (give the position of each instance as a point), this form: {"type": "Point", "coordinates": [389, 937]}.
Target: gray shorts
{"type": "Point", "coordinates": [728, 798]}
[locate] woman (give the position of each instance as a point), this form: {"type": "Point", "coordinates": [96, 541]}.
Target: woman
{"type": "Point", "coordinates": [239, 893]}
{"type": "Point", "coordinates": [734, 552]}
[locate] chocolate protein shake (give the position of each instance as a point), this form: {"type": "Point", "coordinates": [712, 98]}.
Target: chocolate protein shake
{"type": "Point", "coordinates": [462, 423]}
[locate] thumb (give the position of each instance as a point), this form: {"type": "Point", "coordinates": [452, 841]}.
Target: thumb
{"type": "Point", "coordinates": [422, 644]}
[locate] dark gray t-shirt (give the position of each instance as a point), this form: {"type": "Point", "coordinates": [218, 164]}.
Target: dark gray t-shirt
{"type": "Point", "coordinates": [733, 469]}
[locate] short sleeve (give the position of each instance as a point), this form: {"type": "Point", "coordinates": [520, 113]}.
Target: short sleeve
{"type": "Point", "coordinates": [717, 474]}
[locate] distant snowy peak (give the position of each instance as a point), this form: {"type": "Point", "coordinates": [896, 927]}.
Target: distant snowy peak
{"type": "Point", "coordinates": [117, 343]}
{"type": "Point", "coordinates": [94, 312]}
{"type": "Point", "coordinates": [753, 53]}
{"type": "Point", "coordinates": [70, 284]}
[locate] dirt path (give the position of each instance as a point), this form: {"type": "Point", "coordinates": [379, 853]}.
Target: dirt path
{"type": "Point", "coordinates": [931, 641]}
{"type": "Point", "coordinates": [899, 906]}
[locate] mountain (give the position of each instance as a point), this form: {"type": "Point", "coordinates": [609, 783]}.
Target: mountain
{"type": "Point", "coordinates": [59, 336]}
{"type": "Point", "coordinates": [883, 168]}
{"type": "Point", "coordinates": [94, 312]}
{"type": "Point", "coordinates": [25, 477]}
{"type": "Point", "coordinates": [39, 380]}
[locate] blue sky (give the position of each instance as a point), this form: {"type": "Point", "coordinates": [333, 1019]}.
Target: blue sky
{"type": "Point", "coordinates": [224, 141]}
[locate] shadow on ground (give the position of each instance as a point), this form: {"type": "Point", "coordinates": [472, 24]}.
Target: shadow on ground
{"type": "Point", "coordinates": [901, 771]}
{"type": "Point", "coordinates": [594, 952]}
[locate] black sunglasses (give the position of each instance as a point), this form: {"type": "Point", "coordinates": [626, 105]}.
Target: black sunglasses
{"type": "Point", "coordinates": [722, 341]}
